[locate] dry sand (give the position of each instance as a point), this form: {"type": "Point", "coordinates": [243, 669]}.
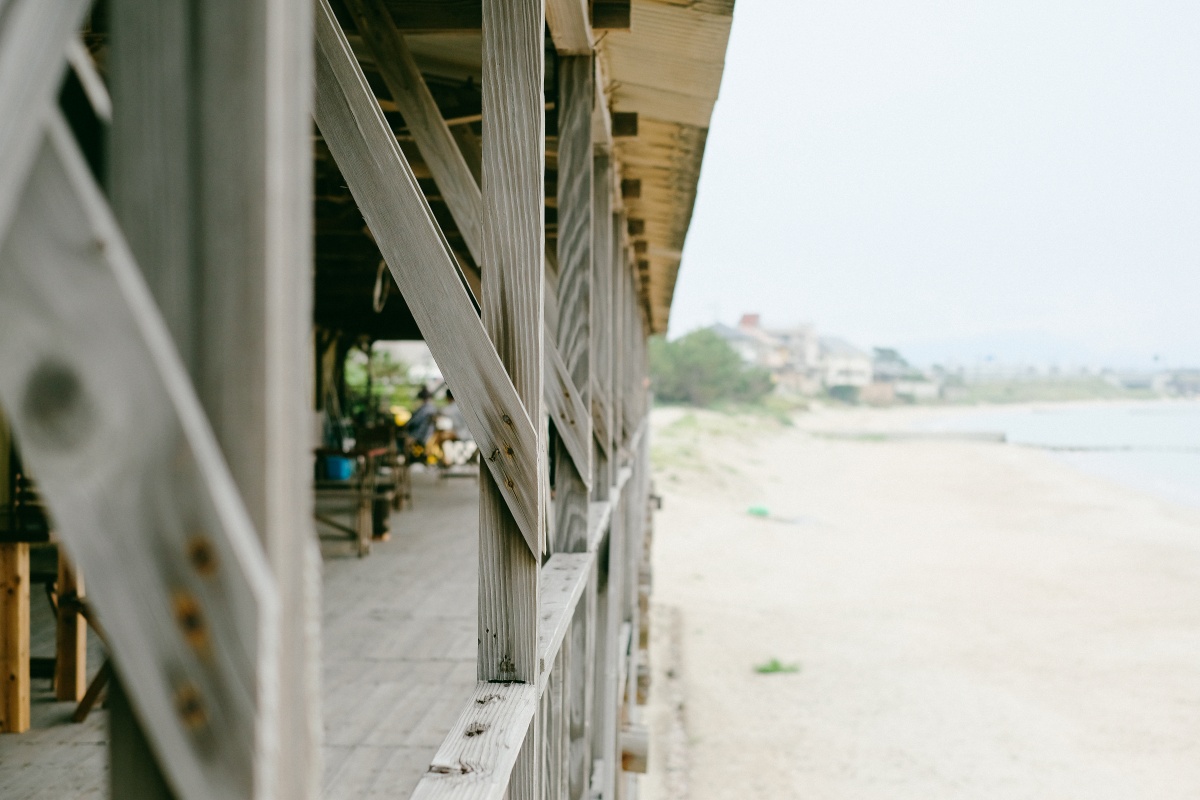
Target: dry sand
{"type": "Point", "coordinates": [970, 620]}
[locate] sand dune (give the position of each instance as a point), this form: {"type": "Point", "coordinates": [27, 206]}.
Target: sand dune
{"type": "Point", "coordinates": [970, 620]}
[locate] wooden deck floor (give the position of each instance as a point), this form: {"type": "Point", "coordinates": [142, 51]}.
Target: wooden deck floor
{"type": "Point", "coordinates": [398, 662]}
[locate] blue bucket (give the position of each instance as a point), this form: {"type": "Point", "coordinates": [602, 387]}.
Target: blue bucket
{"type": "Point", "coordinates": [339, 468]}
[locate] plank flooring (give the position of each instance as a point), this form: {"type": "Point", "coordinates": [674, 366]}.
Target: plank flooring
{"type": "Point", "coordinates": [398, 662]}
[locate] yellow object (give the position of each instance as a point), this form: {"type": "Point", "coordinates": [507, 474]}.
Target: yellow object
{"type": "Point", "coordinates": [402, 415]}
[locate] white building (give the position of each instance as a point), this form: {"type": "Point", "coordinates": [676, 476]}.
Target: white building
{"type": "Point", "coordinates": [843, 364]}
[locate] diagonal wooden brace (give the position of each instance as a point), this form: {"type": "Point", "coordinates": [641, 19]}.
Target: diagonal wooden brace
{"type": "Point", "coordinates": [34, 35]}
{"type": "Point", "coordinates": [570, 413]}
{"type": "Point", "coordinates": [110, 424]}
{"type": "Point", "coordinates": [438, 148]}
{"type": "Point", "coordinates": [420, 260]}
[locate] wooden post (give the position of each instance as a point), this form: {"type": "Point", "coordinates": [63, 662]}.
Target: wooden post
{"type": "Point", "coordinates": [513, 313]}
{"type": "Point", "coordinates": [14, 637]}
{"type": "Point", "coordinates": [602, 329]}
{"type": "Point", "coordinates": [576, 243]}
{"type": "Point", "coordinates": [70, 662]}
{"type": "Point", "coordinates": [211, 181]}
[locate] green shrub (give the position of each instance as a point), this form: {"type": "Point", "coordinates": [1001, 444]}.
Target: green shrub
{"type": "Point", "coordinates": [701, 369]}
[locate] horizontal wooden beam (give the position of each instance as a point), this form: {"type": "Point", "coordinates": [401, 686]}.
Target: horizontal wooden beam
{"type": "Point", "coordinates": [426, 272]}
{"type": "Point", "coordinates": [477, 757]}
{"type": "Point", "coordinates": [564, 577]}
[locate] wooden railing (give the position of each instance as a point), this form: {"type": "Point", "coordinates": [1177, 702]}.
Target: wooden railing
{"type": "Point", "coordinates": [155, 358]}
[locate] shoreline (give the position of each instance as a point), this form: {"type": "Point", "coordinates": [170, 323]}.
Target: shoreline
{"type": "Point", "coordinates": [968, 620]}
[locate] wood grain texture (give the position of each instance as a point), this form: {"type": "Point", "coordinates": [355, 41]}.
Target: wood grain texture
{"type": "Point", "coordinates": [425, 271]}
{"type": "Point", "coordinates": [570, 26]}
{"type": "Point", "coordinates": [513, 313]}
{"type": "Point", "coordinates": [514, 163]}
{"type": "Point", "coordinates": [599, 516]}
{"type": "Point", "coordinates": [33, 41]}
{"type": "Point", "coordinates": [617, 293]}
{"type": "Point", "coordinates": [176, 571]}
{"type": "Point", "coordinates": [70, 651]}
{"type": "Point", "coordinates": [14, 637]}
{"type": "Point", "coordinates": [211, 178]}
{"type": "Point", "coordinates": [477, 758]}
{"type": "Point", "coordinates": [563, 579]}
{"type": "Point", "coordinates": [579, 690]}
{"type": "Point", "coordinates": [441, 153]}
{"type": "Point", "coordinates": [601, 114]}
{"type": "Point", "coordinates": [601, 333]}
{"type": "Point", "coordinates": [566, 407]}
{"type": "Point", "coordinates": [575, 234]}
{"type": "Point", "coordinates": [553, 726]}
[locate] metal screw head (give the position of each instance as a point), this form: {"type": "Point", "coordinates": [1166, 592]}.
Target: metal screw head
{"type": "Point", "coordinates": [190, 618]}
{"type": "Point", "coordinates": [202, 555]}
{"type": "Point", "coordinates": [190, 706]}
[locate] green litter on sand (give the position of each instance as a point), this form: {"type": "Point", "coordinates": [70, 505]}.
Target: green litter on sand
{"type": "Point", "coordinates": [762, 512]}
{"type": "Point", "coordinates": [776, 667]}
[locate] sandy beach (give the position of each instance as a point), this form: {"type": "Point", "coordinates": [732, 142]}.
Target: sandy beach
{"type": "Point", "coordinates": [968, 619]}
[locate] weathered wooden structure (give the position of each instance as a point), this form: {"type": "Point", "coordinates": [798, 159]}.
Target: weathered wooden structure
{"type": "Point", "coordinates": [518, 176]}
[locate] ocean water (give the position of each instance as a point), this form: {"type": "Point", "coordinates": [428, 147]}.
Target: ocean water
{"type": "Point", "coordinates": [1152, 447]}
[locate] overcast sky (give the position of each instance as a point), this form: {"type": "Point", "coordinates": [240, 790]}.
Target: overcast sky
{"type": "Point", "coordinates": [934, 172]}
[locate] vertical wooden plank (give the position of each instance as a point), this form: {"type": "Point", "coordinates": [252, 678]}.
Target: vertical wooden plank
{"type": "Point", "coordinates": [576, 246]}
{"type": "Point", "coordinates": [70, 661]}
{"type": "Point", "coordinates": [575, 235]}
{"type": "Point", "coordinates": [619, 299]}
{"type": "Point", "coordinates": [610, 701]}
{"type": "Point", "coordinates": [580, 694]}
{"type": "Point", "coordinates": [514, 159]}
{"type": "Point", "coordinates": [256, 236]}
{"type": "Point", "coordinates": [601, 331]}
{"type": "Point", "coordinates": [14, 637]}
{"type": "Point", "coordinates": [211, 180]}
{"type": "Point", "coordinates": [555, 717]}
{"type": "Point", "coordinates": [149, 189]}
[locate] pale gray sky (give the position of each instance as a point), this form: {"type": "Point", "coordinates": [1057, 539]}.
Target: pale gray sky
{"type": "Point", "coordinates": [904, 172]}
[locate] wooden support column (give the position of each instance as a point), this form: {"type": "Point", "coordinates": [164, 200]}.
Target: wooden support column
{"type": "Point", "coordinates": [616, 320]}
{"type": "Point", "coordinates": [514, 159]}
{"type": "Point", "coordinates": [576, 241]}
{"type": "Point", "coordinates": [602, 327]}
{"type": "Point", "coordinates": [211, 181]}
{"type": "Point", "coordinates": [70, 661]}
{"type": "Point", "coordinates": [14, 637]}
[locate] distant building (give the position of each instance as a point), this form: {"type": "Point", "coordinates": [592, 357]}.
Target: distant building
{"type": "Point", "coordinates": [792, 355]}
{"type": "Point", "coordinates": [843, 364]}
